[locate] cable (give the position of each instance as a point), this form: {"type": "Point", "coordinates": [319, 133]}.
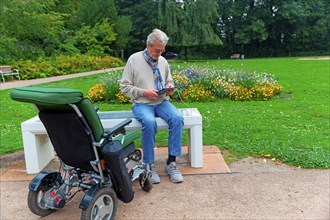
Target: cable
{"type": "Point", "coordinates": [204, 117]}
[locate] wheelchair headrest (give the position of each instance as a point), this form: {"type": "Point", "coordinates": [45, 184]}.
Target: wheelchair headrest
{"type": "Point", "coordinates": [46, 96]}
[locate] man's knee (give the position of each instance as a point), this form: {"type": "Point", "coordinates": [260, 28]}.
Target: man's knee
{"type": "Point", "coordinates": [149, 123]}
{"type": "Point", "coordinates": [177, 120]}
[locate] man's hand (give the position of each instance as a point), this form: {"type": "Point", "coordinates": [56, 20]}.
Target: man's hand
{"type": "Point", "coordinates": [150, 94]}
{"type": "Point", "coordinates": [170, 92]}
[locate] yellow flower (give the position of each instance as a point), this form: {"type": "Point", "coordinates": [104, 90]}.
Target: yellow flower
{"type": "Point", "coordinates": [122, 98]}
{"type": "Point", "coordinates": [96, 93]}
{"type": "Point", "coordinates": [197, 92]}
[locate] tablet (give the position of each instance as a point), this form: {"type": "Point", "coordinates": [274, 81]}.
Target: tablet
{"type": "Point", "coordinates": [162, 91]}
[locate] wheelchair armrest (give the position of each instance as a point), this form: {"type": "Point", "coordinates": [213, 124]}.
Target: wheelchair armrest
{"type": "Point", "coordinates": [118, 129]}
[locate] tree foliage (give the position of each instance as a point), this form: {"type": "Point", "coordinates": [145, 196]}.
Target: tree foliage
{"type": "Point", "coordinates": [93, 13]}
{"type": "Point", "coordinates": [143, 14]}
{"type": "Point", "coordinates": [29, 28]}
{"type": "Point", "coordinates": [189, 23]}
{"type": "Point", "coordinates": [94, 40]}
{"type": "Point", "coordinates": [274, 27]}
{"type": "Point", "coordinates": [205, 28]}
{"type": "Point", "coordinates": [32, 29]}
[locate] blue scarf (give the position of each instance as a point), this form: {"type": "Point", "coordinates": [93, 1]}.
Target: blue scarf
{"type": "Point", "coordinates": [158, 80]}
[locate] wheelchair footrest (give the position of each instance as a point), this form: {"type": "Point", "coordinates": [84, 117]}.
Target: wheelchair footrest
{"type": "Point", "coordinates": [137, 171]}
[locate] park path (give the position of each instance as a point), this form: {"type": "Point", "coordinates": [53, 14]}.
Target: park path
{"type": "Point", "coordinates": [20, 83]}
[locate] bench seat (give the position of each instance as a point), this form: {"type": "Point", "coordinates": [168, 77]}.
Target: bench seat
{"type": "Point", "coordinates": [38, 150]}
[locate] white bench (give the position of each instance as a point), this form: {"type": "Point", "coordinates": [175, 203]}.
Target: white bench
{"type": "Point", "coordinates": [8, 71]}
{"type": "Point", "coordinates": [38, 150]}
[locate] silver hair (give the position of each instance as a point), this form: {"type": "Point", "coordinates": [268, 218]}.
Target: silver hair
{"type": "Point", "coordinates": [157, 35]}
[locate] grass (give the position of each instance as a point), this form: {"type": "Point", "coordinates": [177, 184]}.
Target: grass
{"type": "Point", "coordinates": [293, 128]}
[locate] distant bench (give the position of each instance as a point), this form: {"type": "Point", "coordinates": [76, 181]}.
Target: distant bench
{"type": "Point", "coordinates": [235, 56]}
{"type": "Point", "coordinates": [8, 71]}
{"type": "Point", "coordinates": [38, 150]}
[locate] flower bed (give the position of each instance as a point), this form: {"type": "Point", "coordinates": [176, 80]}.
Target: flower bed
{"type": "Point", "coordinates": [196, 84]}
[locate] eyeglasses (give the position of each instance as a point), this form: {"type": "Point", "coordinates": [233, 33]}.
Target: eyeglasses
{"type": "Point", "coordinates": [157, 50]}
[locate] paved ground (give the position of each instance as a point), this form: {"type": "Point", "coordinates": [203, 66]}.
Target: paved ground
{"type": "Point", "coordinates": [248, 189]}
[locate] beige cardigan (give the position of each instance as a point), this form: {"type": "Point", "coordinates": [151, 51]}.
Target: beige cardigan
{"type": "Point", "coordinates": [138, 75]}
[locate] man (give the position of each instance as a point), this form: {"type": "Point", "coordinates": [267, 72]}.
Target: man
{"type": "Point", "coordinates": [145, 73]}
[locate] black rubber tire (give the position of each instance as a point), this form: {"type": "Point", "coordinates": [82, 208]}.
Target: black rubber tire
{"type": "Point", "coordinates": [103, 205]}
{"type": "Point", "coordinates": [36, 205]}
{"type": "Point", "coordinates": [147, 186]}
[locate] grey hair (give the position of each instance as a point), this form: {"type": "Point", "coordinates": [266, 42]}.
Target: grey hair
{"type": "Point", "coordinates": [157, 35]}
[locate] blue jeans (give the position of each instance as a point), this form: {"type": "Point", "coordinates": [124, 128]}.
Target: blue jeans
{"type": "Point", "coordinates": [146, 115]}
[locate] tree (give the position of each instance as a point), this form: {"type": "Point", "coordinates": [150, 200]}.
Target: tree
{"type": "Point", "coordinates": [189, 23]}
{"type": "Point", "coordinates": [244, 24]}
{"type": "Point", "coordinates": [306, 23]}
{"type": "Point", "coordinates": [29, 29]}
{"type": "Point", "coordinates": [89, 13]}
{"type": "Point", "coordinates": [94, 40]}
{"type": "Point", "coordinates": [274, 27]}
{"type": "Point", "coordinates": [143, 14]}
{"type": "Point", "coordinates": [94, 11]}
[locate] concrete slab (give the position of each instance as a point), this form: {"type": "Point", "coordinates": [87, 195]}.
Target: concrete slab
{"type": "Point", "coordinates": [213, 163]}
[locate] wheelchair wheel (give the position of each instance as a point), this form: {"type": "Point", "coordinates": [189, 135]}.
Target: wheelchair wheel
{"type": "Point", "coordinates": [138, 154]}
{"type": "Point", "coordinates": [145, 182]}
{"type": "Point", "coordinates": [103, 205]}
{"type": "Point", "coordinates": [36, 203]}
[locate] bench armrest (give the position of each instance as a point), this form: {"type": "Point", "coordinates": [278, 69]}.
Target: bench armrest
{"type": "Point", "coordinates": [118, 129]}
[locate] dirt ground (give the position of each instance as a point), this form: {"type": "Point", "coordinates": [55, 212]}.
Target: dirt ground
{"type": "Point", "coordinates": [254, 189]}
{"type": "Point", "coordinates": [11, 159]}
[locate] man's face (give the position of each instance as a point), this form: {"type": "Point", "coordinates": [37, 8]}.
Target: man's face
{"type": "Point", "coordinates": [156, 50]}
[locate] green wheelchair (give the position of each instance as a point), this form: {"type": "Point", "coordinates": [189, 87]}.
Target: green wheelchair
{"type": "Point", "coordinates": [101, 164]}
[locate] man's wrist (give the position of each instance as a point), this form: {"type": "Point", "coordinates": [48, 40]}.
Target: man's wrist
{"type": "Point", "coordinates": [141, 92]}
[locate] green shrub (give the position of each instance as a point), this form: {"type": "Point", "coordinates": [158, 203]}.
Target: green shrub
{"type": "Point", "coordinates": [63, 64]}
{"type": "Point", "coordinates": [105, 62]}
{"type": "Point", "coordinates": [35, 70]}
{"type": "Point", "coordinates": [69, 64]}
{"type": "Point", "coordinates": [181, 82]}
{"type": "Point", "coordinates": [108, 89]}
{"type": "Point", "coordinates": [111, 84]}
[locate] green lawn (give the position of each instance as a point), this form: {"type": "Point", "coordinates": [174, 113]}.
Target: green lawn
{"type": "Point", "coordinates": [293, 128]}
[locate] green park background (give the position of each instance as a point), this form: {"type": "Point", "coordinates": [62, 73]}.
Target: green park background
{"type": "Point", "coordinates": [287, 38]}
